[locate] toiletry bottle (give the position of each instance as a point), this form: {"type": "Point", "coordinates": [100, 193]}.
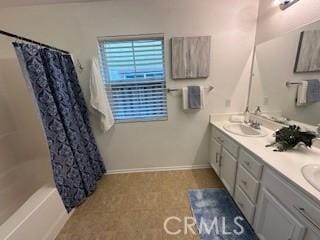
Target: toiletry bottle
{"type": "Point", "coordinates": [246, 115]}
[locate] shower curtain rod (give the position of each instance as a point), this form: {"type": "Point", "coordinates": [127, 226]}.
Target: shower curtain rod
{"type": "Point", "coordinates": [31, 41]}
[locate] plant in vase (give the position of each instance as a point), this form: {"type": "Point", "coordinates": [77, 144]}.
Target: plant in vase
{"type": "Point", "coordinates": [288, 137]}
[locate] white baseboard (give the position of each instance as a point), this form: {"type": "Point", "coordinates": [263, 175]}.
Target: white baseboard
{"type": "Point", "coordinates": [157, 169]}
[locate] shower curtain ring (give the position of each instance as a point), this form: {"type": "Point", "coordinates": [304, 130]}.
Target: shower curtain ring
{"type": "Point", "coordinates": [17, 40]}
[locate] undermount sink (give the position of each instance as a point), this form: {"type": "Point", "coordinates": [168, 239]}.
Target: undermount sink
{"type": "Point", "coordinates": [244, 130]}
{"type": "Point", "coordinates": [311, 173]}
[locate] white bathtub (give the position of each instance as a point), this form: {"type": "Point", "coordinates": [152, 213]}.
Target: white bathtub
{"type": "Point", "coordinates": [41, 217]}
{"type": "Point", "coordinates": [19, 183]}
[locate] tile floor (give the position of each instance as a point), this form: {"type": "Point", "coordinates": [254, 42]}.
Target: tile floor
{"type": "Point", "coordinates": [135, 206]}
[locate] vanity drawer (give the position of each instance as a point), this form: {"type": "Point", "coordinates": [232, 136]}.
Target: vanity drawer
{"type": "Point", "coordinates": [216, 133]}
{"type": "Point", "coordinates": [226, 141]}
{"type": "Point", "coordinates": [244, 204]}
{"type": "Point", "coordinates": [248, 184]}
{"type": "Point", "coordinates": [305, 209]}
{"type": "Point", "coordinates": [250, 163]}
{"type": "Point", "coordinates": [231, 146]}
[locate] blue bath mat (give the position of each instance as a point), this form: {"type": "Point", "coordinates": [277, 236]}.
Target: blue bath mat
{"type": "Point", "coordinates": [217, 217]}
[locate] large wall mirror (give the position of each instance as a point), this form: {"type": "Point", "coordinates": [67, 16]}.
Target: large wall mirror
{"type": "Point", "coordinates": [286, 77]}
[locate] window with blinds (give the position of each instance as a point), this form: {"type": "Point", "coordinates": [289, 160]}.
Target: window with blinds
{"type": "Point", "coordinates": [134, 73]}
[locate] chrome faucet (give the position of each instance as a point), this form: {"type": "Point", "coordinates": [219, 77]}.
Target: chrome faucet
{"type": "Point", "coordinates": [257, 111]}
{"type": "Point", "coordinates": [254, 124]}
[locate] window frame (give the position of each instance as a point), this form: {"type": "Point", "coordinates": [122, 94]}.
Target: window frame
{"type": "Point", "coordinates": [108, 85]}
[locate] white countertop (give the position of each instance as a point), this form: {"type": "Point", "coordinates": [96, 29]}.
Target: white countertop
{"type": "Point", "coordinates": [288, 163]}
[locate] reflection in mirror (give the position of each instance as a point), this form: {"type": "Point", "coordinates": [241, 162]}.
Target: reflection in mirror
{"type": "Point", "coordinates": [285, 78]}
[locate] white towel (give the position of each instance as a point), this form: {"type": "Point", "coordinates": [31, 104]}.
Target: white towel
{"type": "Point", "coordinates": [302, 93]}
{"type": "Point", "coordinates": [185, 105]}
{"type": "Point", "coordinates": [185, 102]}
{"type": "Point", "coordinates": [202, 97]}
{"type": "Point", "coordinates": [98, 97]}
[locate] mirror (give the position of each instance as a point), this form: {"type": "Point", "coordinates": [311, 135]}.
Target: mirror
{"type": "Point", "coordinates": [283, 78]}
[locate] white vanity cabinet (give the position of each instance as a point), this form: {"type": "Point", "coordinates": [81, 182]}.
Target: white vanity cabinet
{"type": "Point", "coordinates": [215, 155]}
{"type": "Point", "coordinates": [275, 208]}
{"type": "Point", "coordinates": [238, 170]}
{"type": "Point", "coordinates": [223, 158]}
{"type": "Point", "coordinates": [248, 183]}
{"type": "Point", "coordinates": [274, 221]}
{"type": "Point", "coordinates": [283, 212]}
{"type": "Point", "coordinates": [228, 170]}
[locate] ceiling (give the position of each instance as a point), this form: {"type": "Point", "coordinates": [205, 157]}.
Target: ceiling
{"type": "Point", "coordinates": [19, 3]}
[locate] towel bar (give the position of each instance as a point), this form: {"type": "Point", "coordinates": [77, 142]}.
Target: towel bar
{"type": "Point", "coordinates": [210, 88]}
{"type": "Point", "coordinates": [288, 83]}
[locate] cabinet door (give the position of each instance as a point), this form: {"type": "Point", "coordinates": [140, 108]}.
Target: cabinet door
{"type": "Point", "coordinates": [312, 234]}
{"type": "Point", "coordinates": [215, 155]}
{"type": "Point", "coordinates": [228, 168]}
{"type": "Point", "coordinates": [313, 230]}
{"type": "Point", "coordinates": [273, 221]}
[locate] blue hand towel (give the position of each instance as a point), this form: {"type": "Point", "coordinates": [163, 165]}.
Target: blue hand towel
{"type": "Point", "coordinates": [194, 97]}
{"type": "Point", "coordinates": [313, 91]}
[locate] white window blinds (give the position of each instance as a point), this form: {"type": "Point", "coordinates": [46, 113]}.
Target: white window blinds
{"type": "Point", "coordinates": [134, 72]}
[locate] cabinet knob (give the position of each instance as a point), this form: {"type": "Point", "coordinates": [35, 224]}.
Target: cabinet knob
{"type": "Point", "coordinates": [247, 163]}
{"type": "Point", "coordinates": [309, 219]}
{"type": "Point", "coordinates": [244, 182]}
{"type": "Point", "coordinates": [220, 139]}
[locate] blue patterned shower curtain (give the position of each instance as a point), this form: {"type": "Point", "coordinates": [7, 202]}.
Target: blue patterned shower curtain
{"type": "Point", "coordinates": [75, 158]}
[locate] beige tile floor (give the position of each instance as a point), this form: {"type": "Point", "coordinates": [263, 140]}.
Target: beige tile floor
{"type": "Point", "coordinates": [134, 206]}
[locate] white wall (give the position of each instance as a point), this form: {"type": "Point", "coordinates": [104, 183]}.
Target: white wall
{"type": "Point", "coordinates": [273, 22]}
{"type": "Point", "coordinates": [24, 158]}
{"type": "Point", "coordinates": [183, 139]}
{"type": "Point", "coordinates": [273, 67]}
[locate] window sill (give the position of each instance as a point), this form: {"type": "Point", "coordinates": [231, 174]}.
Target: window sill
{"type": "Point", "coordinates": [142, 120]}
